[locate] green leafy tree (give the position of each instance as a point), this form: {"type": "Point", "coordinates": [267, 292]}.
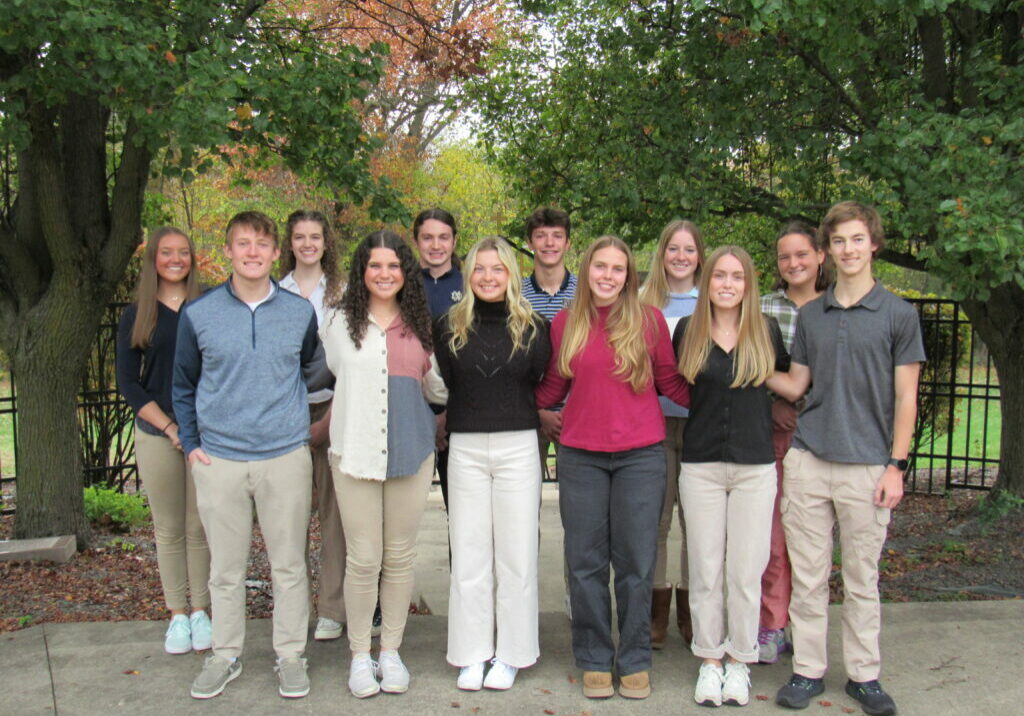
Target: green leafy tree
{"type": "Point", "coordinates": [95, 95]}
{"type": "Point", "coordinates": [632, 112]}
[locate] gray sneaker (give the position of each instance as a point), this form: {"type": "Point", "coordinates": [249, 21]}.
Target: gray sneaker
{"type": "Point", "coordinates": [292, 681]}
{"type": "Point", "coordinates": [217, 672]}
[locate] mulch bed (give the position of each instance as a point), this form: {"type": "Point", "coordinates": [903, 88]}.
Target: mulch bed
{"type": "Point", "coordinates": [937, 550]}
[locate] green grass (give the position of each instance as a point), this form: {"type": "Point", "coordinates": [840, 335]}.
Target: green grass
{"type": "Point", "coordinates": [969, 440]}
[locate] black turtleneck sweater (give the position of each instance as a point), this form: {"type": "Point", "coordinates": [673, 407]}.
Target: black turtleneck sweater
{"type": "Point", "coordinates": [490, 389]}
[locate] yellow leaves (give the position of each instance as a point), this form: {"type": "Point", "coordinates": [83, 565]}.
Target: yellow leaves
{"type": "Point", "coordinates": [244, 111]}
{"type": "Point", "coordinates": [170, 57]}
{"type": "Point", "coordinates": [986, 140]}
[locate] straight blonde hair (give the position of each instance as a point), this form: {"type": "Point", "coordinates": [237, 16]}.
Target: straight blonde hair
{"type": "Point", "coordinates": [753, 359]}
{"type": "Point", "coordinates": [628, 322]}
{"type": "Point", "coordinates": [655, 289]}
{"type": "Point", "coordinates": [148, 283]}
{"type": "Point", "coordinates": [522, 321]}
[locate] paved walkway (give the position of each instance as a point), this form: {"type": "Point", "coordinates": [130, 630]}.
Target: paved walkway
{"type": "Point", "coordinates": [940, 658]}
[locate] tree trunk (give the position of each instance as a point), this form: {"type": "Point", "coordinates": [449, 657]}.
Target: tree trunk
{"type": "Point", "coordinates": [1000, 324]}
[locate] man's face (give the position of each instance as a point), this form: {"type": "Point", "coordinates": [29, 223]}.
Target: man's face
{"type": "Point", "coordinates": [251, 252]}
{"type": "Point", "coordinates": [549, 244]}
{"type": "Point", "coordinates": [851, 248]}
{"type": "Point", "coordinates": [436, 244]}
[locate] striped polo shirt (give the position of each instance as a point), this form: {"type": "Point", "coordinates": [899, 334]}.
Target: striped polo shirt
{"type": "Point", "coordinates": [547, 304]}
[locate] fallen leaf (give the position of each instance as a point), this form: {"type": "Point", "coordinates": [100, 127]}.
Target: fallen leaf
{"type": "Point", "coordinates": [545, 691]}
{"type": "Point", "coordinates": [549, 712]}
{"type": "Point", "coordinates": [762, 697]}
{"type": "Point", "coordinates": [572, 679]}
{"type": "Point", "coordinates": [848, 710]}
{"type": "Point", "coordinates": [456, 704]}
{"type": "Point", "coordinates": [131, 672]}
{"type": "Point", "coordinates": [475, 709]}
{"type": "Point", "coordinates": [826, 704]}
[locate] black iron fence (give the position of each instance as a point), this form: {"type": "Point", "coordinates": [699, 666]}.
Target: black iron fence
{"type": "Point", "coordinates": [956, 443]}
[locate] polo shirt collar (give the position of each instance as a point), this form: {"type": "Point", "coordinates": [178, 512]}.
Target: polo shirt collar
{"type": "Point", "coordinates": [442, 277]}
{"type": "Point", "coordinates": [872, 300]}
{"type": "Point", "coordinates": [538, 289]}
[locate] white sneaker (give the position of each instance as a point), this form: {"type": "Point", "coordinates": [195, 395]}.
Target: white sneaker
{"type": "Point", "coordinates": [501, 676]}
{"type": "Point", "coordinates": [471, 678]}
{"type": "Point", "coordinates": [327, 629]}
{"type": "Point", "coordinates": [736, 686]}
{"type": "Point", "coordinates": [362, 676]}
{"type": "Point", "coordinates": [709, 685]}
{"type": "Point", "coordinates": [394, 677]}
{"type": "Point", "coordinates": [178, 639]}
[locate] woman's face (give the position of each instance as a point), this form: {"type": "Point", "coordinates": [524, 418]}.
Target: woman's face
{"type": "Point", "coordinates": [607, 274]}
{"type": "Point", "coordinates": [799, 262]}
{"type": "Point", "coordinates": [489, 279]}
{"type": "Point", "coordinates": [307, 242]}
{"type": "Point", "coordinates": [728, 283]}
{"type": "Point", "coordinates": [383, 276]}
{"type": "Point", "coordinates": [681, 258]}
{"type": "Point", "coordinates": [173, 258]}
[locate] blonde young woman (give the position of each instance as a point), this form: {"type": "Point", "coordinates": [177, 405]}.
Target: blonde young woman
{"type": "Point", "coordinates": [145, 361]}
{"type": "Point", "coordinates": [611, 355]}
{"type": "Point", "coordinates": [310, 267]}
{"type": "Point", "coordinates": [492, 350]}
{"type": "Point", "coordinates": [727, 350]}
{"type": "Point", "coordinates": [671, 287]}
{"type": "Point", "coordinates": [378, 344]}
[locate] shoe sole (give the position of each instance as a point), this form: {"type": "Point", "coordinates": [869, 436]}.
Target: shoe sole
{"type": "Point", "coordinates": [627, 693]}
{"type": "Point", "coordinates": [870, 711]}
{"type": "Point", "coordinates": [179, 652]}
{"type": "Point", "coordinates": [365, 694]}
{"type": "Point", "coordinates": [471, 687]}
{"type": "Point", "coordinates": [709, 703]}
{"type": "Point", "coordinates": [603, 692]}
{"type": "Point", "coordinates": [735, 702]}
{"type": "Point", "coordinates": [394, 689]}
{"type": "Point", "coordinates": [492, 687]}
{"type": "Point", "coordinates": [232, 675]}
{"type": "Point", "coordinates": [328, 635]}
{"type": "Point", "coordinates": [292, 694]}
{"type": "Point", "coordinates": [802, 704]}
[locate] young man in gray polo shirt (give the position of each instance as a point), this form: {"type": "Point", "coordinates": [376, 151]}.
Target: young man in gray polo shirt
{"type": "Point", "coordinates": [246, 354]}
{"type": "Point", "coordinates": [862, 346]}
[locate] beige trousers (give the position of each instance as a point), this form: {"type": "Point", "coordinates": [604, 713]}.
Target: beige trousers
{"type": "Point", "coordinates": [728, 532]}
{"type": "Point", "coordinates": [330, 600]}
{"type": "Point", "coordinates": [182, 555]}
{"type": "Point", "coordinates": [281, 490]}
{"type": "Point", "coordinates": [816, 493]}
{"type": "Point", "coordinates": [381, 519]}
{"type": "Point", "coordinates": [673, 450]}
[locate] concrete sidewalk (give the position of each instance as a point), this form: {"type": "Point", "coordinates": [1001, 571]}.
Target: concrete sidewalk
{"type": "Point", "coordinates": [940, 658]}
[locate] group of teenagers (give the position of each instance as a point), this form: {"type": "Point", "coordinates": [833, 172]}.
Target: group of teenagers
{"type": "Point", "coordinates": [766, 420]}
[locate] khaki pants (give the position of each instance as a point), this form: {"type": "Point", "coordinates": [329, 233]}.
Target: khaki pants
{"type": "Point", "coordinates": [816, 493]}
{"type": "Point", "coordinates": [182, 555]}
{"type": "Point", "coordinates": [330, 600]}
{"type": "Point", "coordinates": [381, 519]}
{"type": "Point", "coordinates": [728, 529]}
{"type": "Point", "coordinates": [280, 488]}
{"type": "Point", "coordinates": [673, 449]}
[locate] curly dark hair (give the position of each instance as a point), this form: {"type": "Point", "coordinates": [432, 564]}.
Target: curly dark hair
{"type": "Point", "coordinates": [412, 298]}
{"type": "Point", "coordinates": [331, 260]}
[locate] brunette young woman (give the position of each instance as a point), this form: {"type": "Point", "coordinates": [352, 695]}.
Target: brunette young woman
{"type": "Point", "coordinates": [611, 355]}
{"type": "Point", "coordinates": [672, 287]}
{"type": "Point", "coordinates": [492, 350]}
{"type": "Point", "coordinates": [378, 344]}
{"type": "Point", "coordinates": [802, 278]}
{"type": "Point", "coordinates": [727, 350]}
{"type": "Point", "coordinates": [145, 360]}
{"type": "Point", "coordinates": [310, 267]}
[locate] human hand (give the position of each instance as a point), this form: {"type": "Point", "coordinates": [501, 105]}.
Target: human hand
{"type": "Point", "coordinates": [550, 424]}
{"type": "Point", "coordinates": [199, 455]}
{"type": "Point", "coordinates": [441, 438]}
{"type": "Point", "coordinates": [784, 415]}
{"type": "Point", "coordinates": [889, 490]}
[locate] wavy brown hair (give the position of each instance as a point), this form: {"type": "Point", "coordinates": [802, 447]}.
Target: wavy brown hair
{"type": "Point", "coordinates": [148, 283]}
{"type": "Point", "coordinates": [412, 298]}
{"type": "Point", "coordinates": [330, 262]}
{"type": "Point", "coordinates": [824, 277]}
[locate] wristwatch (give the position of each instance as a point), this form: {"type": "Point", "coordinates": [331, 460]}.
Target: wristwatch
{"type": "Point", "coordinates": [901, 465]}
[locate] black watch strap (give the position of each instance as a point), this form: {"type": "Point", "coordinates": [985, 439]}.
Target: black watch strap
{"type": "Point", "coordinates": [901, 465]}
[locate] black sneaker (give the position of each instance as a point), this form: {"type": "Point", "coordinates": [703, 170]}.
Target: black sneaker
{"type": "Point", "coordinates": [872, 697]}
{"type": "Point", "coordinates": [797, 694]}
{"type": "Point", "coordinates": [377, 622]}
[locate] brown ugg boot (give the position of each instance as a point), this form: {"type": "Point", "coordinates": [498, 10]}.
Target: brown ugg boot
{"type": "Point", "coordinates": [597, 684]}
{"type": "Point", "coordinates": [661, 605]}
{"type": "Point", "coordinates": [635, 686]}
{"type": "Point", "coordinates": [683, 615]}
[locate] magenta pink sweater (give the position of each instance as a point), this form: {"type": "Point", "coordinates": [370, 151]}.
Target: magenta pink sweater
{"type": "Point", "coordinates": [602, 412]}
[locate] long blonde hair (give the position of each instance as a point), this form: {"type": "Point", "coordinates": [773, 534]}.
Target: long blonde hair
{"type": "Point", "coordinates": [522, 321]}
{"type": "Point", "coordinates": [754, 356]}
{"type": "Point", "coordinates": [148, 283]}
{"type": "Point", "coordinates": [655, 291]}
{"type": "Point", "coordinates": [628, 322]}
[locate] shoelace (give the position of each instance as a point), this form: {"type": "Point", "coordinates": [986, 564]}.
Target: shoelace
{"type": "Point", "coordinates": [763, 635]}
{"type": "Point", "coordinates": [802, 682]}
{"type": "Point", "coordinates": [870, 687]}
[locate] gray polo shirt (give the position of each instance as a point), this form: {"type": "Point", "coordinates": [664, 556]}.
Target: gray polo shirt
{"type": "Point", "coordinates": [852, 354]}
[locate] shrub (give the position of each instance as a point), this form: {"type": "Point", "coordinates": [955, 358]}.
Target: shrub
{"type": "Point", "coordinates": [105, 506]}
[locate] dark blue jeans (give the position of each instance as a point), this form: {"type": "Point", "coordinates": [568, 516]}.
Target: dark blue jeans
{"type": "Point", "coordinates": [610, 504]}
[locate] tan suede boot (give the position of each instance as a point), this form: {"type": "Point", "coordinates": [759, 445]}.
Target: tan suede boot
{"type": "Point", "coordinates": [683, 614]}
{"type": "Point", "coordinates": [635, 686]}
{"type": "Point", "coordinates": [661, 605]}
{"type": "Point", "coordinates": [597, 684]}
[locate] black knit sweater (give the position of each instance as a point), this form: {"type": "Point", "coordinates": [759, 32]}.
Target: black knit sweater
{"type": "Point", "coordinates": [490, 389]}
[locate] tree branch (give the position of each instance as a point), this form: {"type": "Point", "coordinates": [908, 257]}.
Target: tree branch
{"type": "Point", "coordinates": [933, 51]}
{"type": "Point", "coordinates": [126, 205]}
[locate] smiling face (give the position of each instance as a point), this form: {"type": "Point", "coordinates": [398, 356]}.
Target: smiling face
{"type": "Point", "coordinates": [307, 242]}
{"type": "Point", "coordinates": [681, 258]}
{"type": "Point", "coordinates": [727, 283]}
{"type": "Point", "coordinates": [607, 274]}
{"type": "Point", "coordinates": [173, 258]}
{"type": "Point", "coordinates": [799, 262]}
{"type": "Point", "coordinates": [549, 244]}
{"type": "Point", "coordinates": [489, 280]}
{"type": "Point", "coordinates": [851, 248]}
{"type": "Point", "coordinates": [383, 276]}
{"type": "Point", "coordinates": [435, 241]}
{"type": "Point", "coordinates": [252, 253]}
